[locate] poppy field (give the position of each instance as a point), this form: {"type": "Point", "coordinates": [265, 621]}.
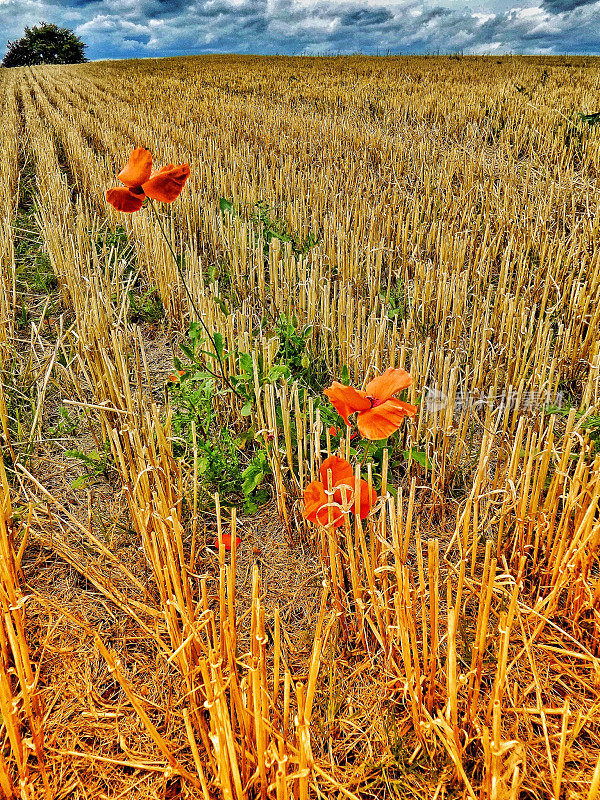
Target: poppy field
{"type": "Point", "coordinates": [300, 427]}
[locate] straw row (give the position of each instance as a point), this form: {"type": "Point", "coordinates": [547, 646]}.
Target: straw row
{"type": "Point", "coordinates": [10, 159]}
{"type": "Point", "coordinates": [464, 252]}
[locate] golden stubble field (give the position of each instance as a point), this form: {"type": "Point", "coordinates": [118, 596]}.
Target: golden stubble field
{"type": "Point", "coordinates": [342, 216]}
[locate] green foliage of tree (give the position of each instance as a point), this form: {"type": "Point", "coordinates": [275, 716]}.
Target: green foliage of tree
{"type": "Point", "coordinates": [45, 44]}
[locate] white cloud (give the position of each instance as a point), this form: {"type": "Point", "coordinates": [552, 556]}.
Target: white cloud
{"type": "Point", "coordinates": [154, 27]}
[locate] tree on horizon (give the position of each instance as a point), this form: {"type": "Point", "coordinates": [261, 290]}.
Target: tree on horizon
{"type": "Point", "coordinates": [45, 43]}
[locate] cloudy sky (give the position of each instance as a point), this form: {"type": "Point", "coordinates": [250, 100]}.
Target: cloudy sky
{"type": "Point", "coordinates": [146, 28]}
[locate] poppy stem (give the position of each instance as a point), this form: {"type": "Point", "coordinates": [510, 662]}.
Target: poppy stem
{"type": "Point", "coordinates": [191, 299]}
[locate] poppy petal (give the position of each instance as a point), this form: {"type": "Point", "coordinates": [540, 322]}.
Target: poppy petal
{"type": "Point", "coordinates": [338, 494]}
{"type": "Point", "coordinates": [166, 184]}
{"type": "Point", "coordinates": [138, 168]}
{"type": "Point", "coordinates": [337, 515]}
{"type": "Point", "coordinates": [383, 420]}
{"type": "Point", "coordinates": [346, 400]}
{"type": "Point", "coordinates": [367, 499]}
{"type": "Point", "coordinates": [408, 409]}
{"type": "Point", "coordinates": [391, 381]}
{"type": "Point", "coordinates": [314, 498]}
{"type": "Point", "coordinates": [125, 199]}
{"type": "Point", "coordinates": [341, 470]}
{"type": "Point", "coordinates": [227, 541]}
{"type": "Point", "coordinates": [316, 506]}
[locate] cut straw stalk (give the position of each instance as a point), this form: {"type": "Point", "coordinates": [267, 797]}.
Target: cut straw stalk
{"type": "Point", "coordinates": [20, 705]}
{"type": "Point", "coordinates": [114, 667]}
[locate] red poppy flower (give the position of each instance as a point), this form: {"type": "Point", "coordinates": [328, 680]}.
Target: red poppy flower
{"type": "Point", "coordinates": [227, 541]}
{"type": "Point", "coordinates": [164, 185]}
{"type": "Point", "coordinates": [379, 413]}
{"type": "Point", "coordinates": [317, 503]}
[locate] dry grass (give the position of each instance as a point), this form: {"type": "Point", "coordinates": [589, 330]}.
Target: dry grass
{"type": "Point", "coordinates": [446, 647]}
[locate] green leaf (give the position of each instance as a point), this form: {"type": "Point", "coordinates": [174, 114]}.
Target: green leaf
{"type": "Point", "coordinates": [377, 454]}
{"type": "Point", "coordinates": [276, 372]}
{"type": "Point", "coordinates": [252, 475]}
{"type": "Point", "coordinates": [345, 376]}
{"type": "Point", "coordinates": [222, 306]}
{"type": "Point", "coordinates": [80, 481]}
{"type": "Point", "coordinates": [75, 454]}
{"type": "Point", "coordinates": [419, 456]}
{"type": "Point", "coordinates": [218, 343]}
{"type": "Point", "coordinates": [591, 119]}
{"type": "Point", "coordinates": [203, 465]}
{"type": "Point", "coordinates": [199, 375]}
{"type": "Point", "coordinates": [196, 332]}
{"type": "Point", "coordinates": [245, 360]}
{"type": "Point", "coordinates": [558, 410]}
{"type": "Point", "coordinates": [247, 408]}
{"type": "Point", "coordinates": [226, 206]}
{"type": "Point", "coordinates": [187, 350]}
{"type": "Point", "coordinates": [246, 436]}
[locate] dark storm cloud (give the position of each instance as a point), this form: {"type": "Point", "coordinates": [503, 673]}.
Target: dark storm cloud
{"type": "Point", "coordinates": [366, 16]}
{"type": "Point", "coordinates": [133, 28]}
{"type": "Point", "coordinates": [256, 25]}
{"type": "Point", "coordinates": [162, 8]}
{"type": "Point", "coordinates": [213, 7]}
{"type": "Point", "coordinates": [74, 3]}
{"type": "Point", "coordinates": [560, 6]}
{"type": "Point", "coordinates": [140, 39]}
{"type": "Point", "coordinates": [435, 13]}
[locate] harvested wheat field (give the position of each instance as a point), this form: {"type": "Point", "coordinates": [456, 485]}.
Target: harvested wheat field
{"type": "Point", "coordinates": [211, 585]}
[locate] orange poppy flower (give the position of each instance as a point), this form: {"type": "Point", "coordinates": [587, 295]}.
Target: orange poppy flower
{"type": "Point", "coordinates": [379, 413]}
{"type": "Point", "coordinates": [227, 541]}
{"type": "Point", "coordinates": [317, 503]}
{"type": "Point", "coordinates": [164, 185]}
{"type": "Point", "coordinates": [175, 377]}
